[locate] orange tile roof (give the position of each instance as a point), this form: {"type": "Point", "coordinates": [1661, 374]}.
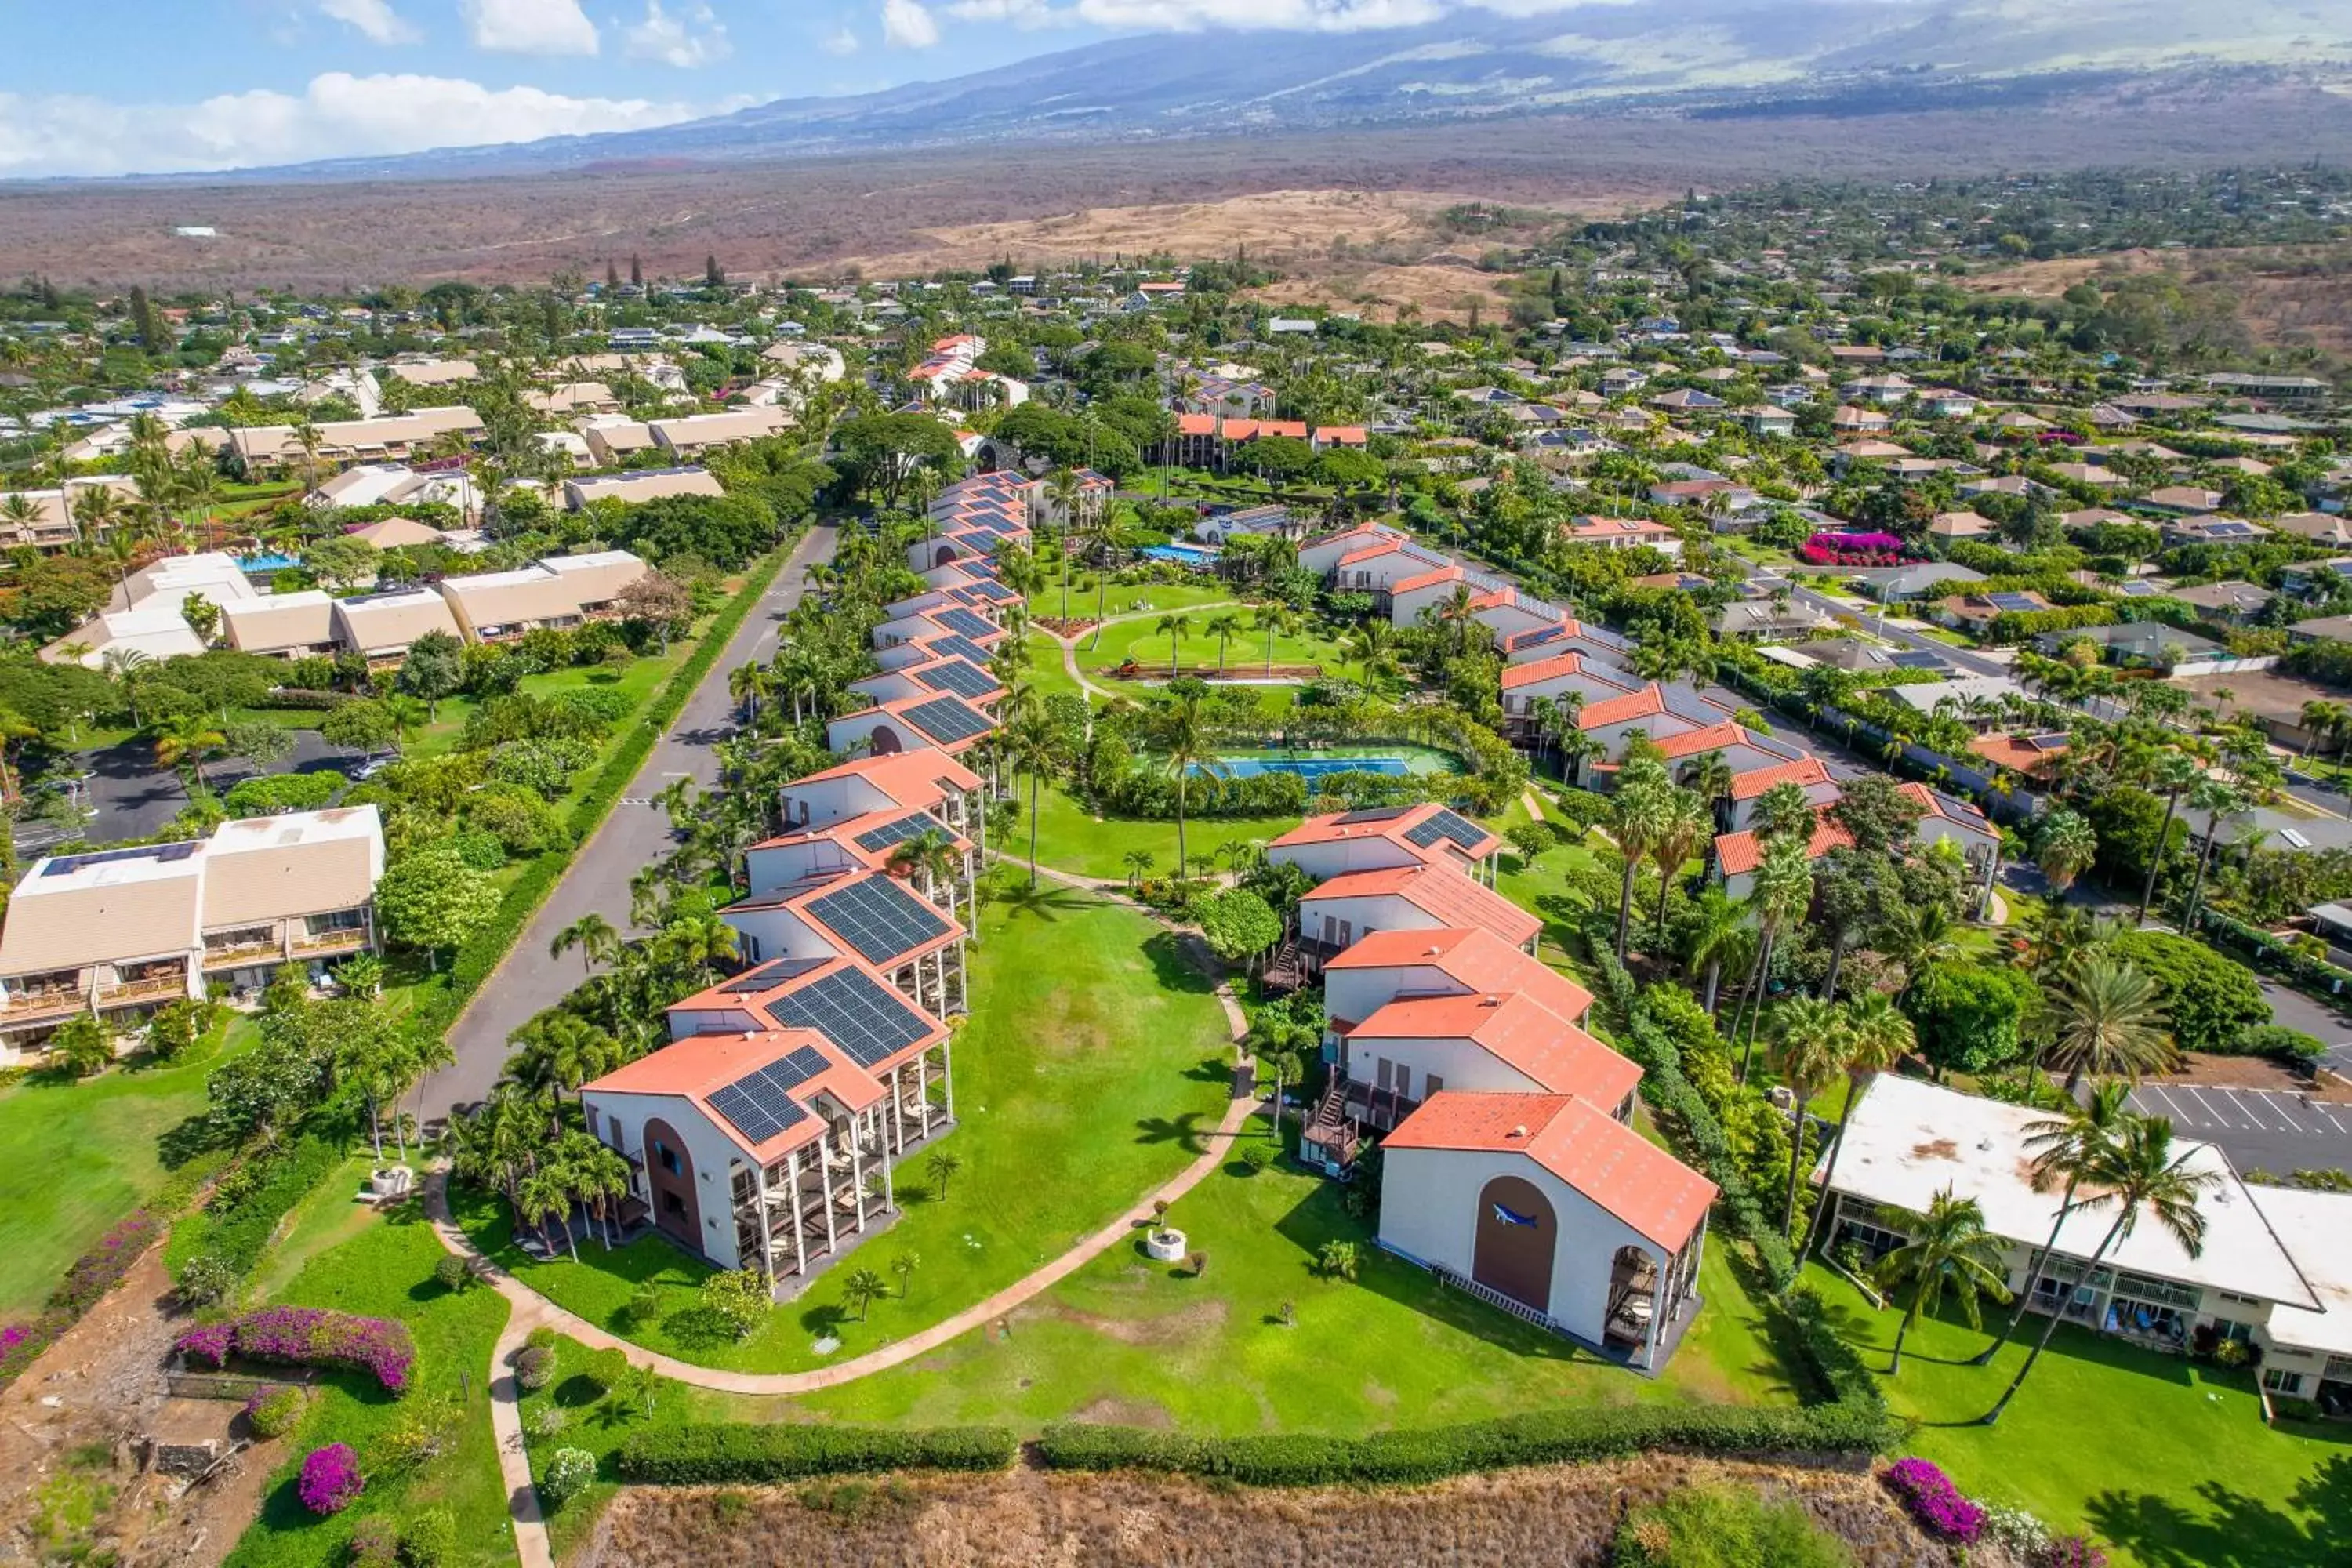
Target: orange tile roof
{"type": "Point", "coordinates": [2009, 751]}
{"type": "Point", "coordinates": [1430, 579]}
{"type": "Point", "coordinates": [1344, 435]}
{"type": "Point", "coordinates": [845, 832]}
{"type": "Point", "coordinates": [1238, 429]}
{"type": "Point", "coordinates": [1647, 703]}
{"type": "Point", "coordinates": [1473, 958]}
{"type": "Point", "coordinates": [1331, 827]}
{"type": "Point", "coordinates": [1739, 852]}
{"type": "Point", "coordinates": [910, 778]}
{"type": "Point", "coordinates": [1540, 669]}
{"type": "Point", "coordinates": [1598, 1156]}
{"type": "Point", "coordinates": [1294, 429]}
{"type": "Point", "coordinates": [729, 996]}
{"type": "Point", "coordinates": [1369, 552]}
{"type": "Point", "coordinates": [1691, 743]}
{"type": "Point", "coordinates": [1518, 1031]}
{"type": "Point", "coordinates": [1454, 899]}
{"type": "Point", "coordinates": [699, 1066]}
{"type": "Point", "coordinates": [1756, 781]}
{"type": "Point", "coordinates": [1196, 423]}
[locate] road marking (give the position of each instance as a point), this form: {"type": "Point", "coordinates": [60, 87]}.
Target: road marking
{"type": "Point", "coordinates": [2173, 1106]}
{"type": "Point", "coordinates": [2330, 1116]}
{"type": "Point", "coordinates": [2218, 1120]}
{"type": "Point", "coordinates": [2273, 1101]}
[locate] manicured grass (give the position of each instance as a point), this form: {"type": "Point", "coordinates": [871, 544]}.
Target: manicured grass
{"type": "Point", "coordinates": [1123, 598]}
{"type": "Point", "coordinates": [1128, 1340]}
{"type": "Point", "coordinates": [1094, 1061]}
{"type": "Point", "coordinates": [110, 1129]}
{"type": "Point", "coordinates": [2166, 1460]}
{"type": "Point", "coordinates": [386, 1270]}
{"type": "Point", "coordinates": [329, 1216]}
{"type": "Point", "coordinates": [1070, 839]}
{"type": "Point", "coordinates": [1545, 889]}
{"type": "Point", "coordinates": [1046, 671]}
{"type": "Point", "coordinates": [1244, 654]}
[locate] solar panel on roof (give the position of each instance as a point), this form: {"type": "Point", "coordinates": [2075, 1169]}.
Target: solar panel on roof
{"type": "Point", "coordinates": [164, 854]}
{"type": "Point", "coordinates": [2137, 590]}
{"type": "Point", "coordinates": [970, 623]}
{"type": "Point", "coordinates": [759, 1104]}
{"type": "Point", "coordinates": [2056, 742]}
{"type": "Point", "coordinates": [2228, 531]}
{"type": "Point", "coordinates": [1376, 814]}
{"type": "Point", "coordinates": [856, 1012]}
{"type": "Point", "coordinates": [947, 719]}
{"type": "Point", "coordinates": [1537, 638]}
{"type": "Point", "coordinates": [2011, 601]}
{"type": "Point", "coordinates": [879, 917]}
{"type": "Point", "coordinates": [911, 825]}
{"type": "Point", "coordinates": [1917, 658]}
{"type": "Point", "coordinates": [772, 973]}
{"type": "Point", "coordinates": [956, 676]}
{"type": "Point", "coordinates": [953, 646]}
{"type": "Point", "coordinates": [1446, 825]}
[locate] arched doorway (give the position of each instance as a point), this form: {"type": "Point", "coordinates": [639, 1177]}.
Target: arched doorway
{"type": "Point", "coordinates": [944, 556]}
{"type": "Point", "coordinates": [1517, 1236]}
{"type": "Point", "coordinates": [886, 741]}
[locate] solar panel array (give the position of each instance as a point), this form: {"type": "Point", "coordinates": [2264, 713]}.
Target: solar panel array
{"type": "Point", "coordinates": [2229, 530]}
{"type": "Point", "coordinates": [2055, 742]}
{"type": "Point", "coordinates": [879, 917]}
{"type": "Point", "coordinates": [1375, 813]}
{"type": "Point", "coordinates": [956, 676]}
{"type": "Point", "coordinates": [770, 975]}
{"type": "Point", "coordinates": [1918, 659]}
{"type": "Point", "coordinates": [2012, 601]}
{"type": "Point", "coordinates": [1538, 638]}
{"type": "Point", "coordinates": [952, 646]}
{"type": "Point", "coordinates": [164, 853]}
{"type": "Point", "coordinates": [2138, 590]}
{"type": "Point", "coordinates": [910, 825]}
{"type": "Point", "coordinates": [857, 1012]}
{"type": "Point", "coordinates": [759, 1103]}
{"type": "Point", "coordinates": [970, 622]}
{"type": "Point", "coordinates": [996, 592]}
{"type": "Point", "coordinates": [947, 720]}
{"type": "Point", "coordinates": [1446, 825]}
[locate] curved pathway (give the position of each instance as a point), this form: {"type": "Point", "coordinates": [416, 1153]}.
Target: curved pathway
{"type": "Point", "coordinates": [1070, 641]}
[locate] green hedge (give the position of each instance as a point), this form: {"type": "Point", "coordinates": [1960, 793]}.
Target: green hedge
{"type": "Point", "coordinates": [1570, 1435]}
{"type": "Point", "coordinates": [236, 1226]}
{"type": "Point", "coordinates": [740, 1453]}
{"type": "Point", "coordinates": [488, 948]}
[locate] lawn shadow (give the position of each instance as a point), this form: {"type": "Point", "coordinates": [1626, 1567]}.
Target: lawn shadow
{"type": "Point", "coordinates": [1184, 1130]}
{"type": "Point", "coordinates": [2237, 1531]}
{"type": "Point", "coordinates": [1211, 1069]}
{"type": "Point", "coordinates": [1181, 961]}
{"type": "Point", "coordinates": [824, 1319]}
{"type": "Point", "coordinates": [1046, 901]}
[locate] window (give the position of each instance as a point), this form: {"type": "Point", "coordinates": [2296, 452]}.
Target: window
{"type": "Point", "coordinates": [2278, 1379]}
{"type": "Point", "coordinates": [1431, 1085]}
{"type": "Point", "coordinates": [673, 1203]}
{"type": "Point", "coordinates": [667, 1156]}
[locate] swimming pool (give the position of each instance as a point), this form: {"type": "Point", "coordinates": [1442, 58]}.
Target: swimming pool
{"type": "Point", "coordinates": [271, 562]}
{"type": "Point", "coordinates": [1198, 557]}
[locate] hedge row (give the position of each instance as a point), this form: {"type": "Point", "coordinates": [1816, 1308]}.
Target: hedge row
{"type": "Point", "coordinates": [1576, 1435]}
{"type": "Point", "coordinates": [2269, 949]}
{"type": "Point", "coordinates": [248, 1206]}
{"type": "Point", "coordinates": [488, 948]}
{"type": "Point", "coordinates": [740, 1453]}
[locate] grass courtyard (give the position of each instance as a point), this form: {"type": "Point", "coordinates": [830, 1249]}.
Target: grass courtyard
{"type": "Point", "coordinates": [2167, 1460]}
{"type": "Point", "coordinates": [1094, 1061]}
{"type": "Point", "coordinates": [1070, 839]}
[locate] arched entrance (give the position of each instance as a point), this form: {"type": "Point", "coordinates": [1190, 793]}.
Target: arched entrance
{"type": "Point", "coordinates": [1631, 1323]}
{"type": "Point", "coordinates": [886, 741]}
{"type": "Point", "coordinates": [1517, 1236]}
{"type": "Point", "coordinates": [944, 556]}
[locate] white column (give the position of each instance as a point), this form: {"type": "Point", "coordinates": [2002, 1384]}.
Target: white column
{"type": "Point", "coordinates": [947, 1073]}
{"type": "Point", "coordinates": [759, 1197]}
{"type": "Point", "coordinates": [856, 1175]}
{"type": "Point", "coordinates": [889, 1190]}
{"type": "Point", "coordinates": [898, 1123]}
{"type": "Point", "coordinates": [800, 1242]}
{"type": "Point", "coordinates": [923, 1090]}
{"type": "Point", "coordinates": [824, 1175]}
{"type": "Point", "coordinates": [1650, 1329]}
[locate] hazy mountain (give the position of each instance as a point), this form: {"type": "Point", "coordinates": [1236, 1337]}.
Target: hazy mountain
{"type": "Point", "coordinates": [1701, 56]}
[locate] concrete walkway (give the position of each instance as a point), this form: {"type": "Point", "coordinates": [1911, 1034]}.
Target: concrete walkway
{"type": "Point", "coordinates": [505, 1425]}
{"type": "Point", "coordinates": [1070, 643]}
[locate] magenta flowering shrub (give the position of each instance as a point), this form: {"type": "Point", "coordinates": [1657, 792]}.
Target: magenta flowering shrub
{"type": "Point", "coordinates": [330, 1478]}
{"type": "Point", "coordinates": [1841, 549]}
{"type": "Point", "coordinates": [308, 1336]}
{"type": "Point", "coordinates": [1934, 1500]}
{"type": "Point", "coordinates": [93, 1273]}
{"type": "Point", "coordinates": [2073, 1552]}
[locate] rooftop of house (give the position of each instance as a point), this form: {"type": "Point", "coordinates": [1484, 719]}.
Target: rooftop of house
{"type": "Point", "coordinates": [1439, 891]}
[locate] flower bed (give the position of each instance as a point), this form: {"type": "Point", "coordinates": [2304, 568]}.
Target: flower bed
{"type": "Point", "coordinates": [93, 1273]}
{"type": "Point", "coordinates": [307, 1336]}
{"type": "Point", "coordinates": [330, 1478]}
{"type": "Point", "coordinates": [1934, 1500]}
{"type": "Point", "coordinates": [1854, 550]}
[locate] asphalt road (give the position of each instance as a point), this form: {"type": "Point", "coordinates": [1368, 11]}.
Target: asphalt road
{"type": "Point", "coordinates": [632, 836]}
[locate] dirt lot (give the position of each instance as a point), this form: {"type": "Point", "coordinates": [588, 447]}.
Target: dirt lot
{"type": "Point", "coordinates": [69, 1444]}
{"type": "Point", "coordinates": [1564, 1515]}
{"type": "Point", "coordinates": [2287, 295]}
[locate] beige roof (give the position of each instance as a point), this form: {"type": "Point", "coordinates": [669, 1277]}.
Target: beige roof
{"type": "Point", "coordinates": [275, 442]}
{"type": "Point", "coordinates": [572, 396]}
{"type": "Point", "coordinates": [649, 484]}
{"type": "Point", "coordinates": [280, 622]}
{"type": "Point", "coordinates": [387, 622]}
{"type": "Point", "coordinates": [309, 863]}
{"type": "Point", "coordinates": [396, 532]}
{"type": "Point", "coordinates": [540, 593]}
{"type": "Point", "coordinates": [435, 372]}
{"type": "Point", "coordinates": [736, 425]}
{"type": "Point", "coordinates": [66, 917]}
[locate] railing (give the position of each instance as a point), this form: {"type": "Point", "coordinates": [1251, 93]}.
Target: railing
{"type": "Point", "coordinates": [135, 990]}
{"type": "Point", "coordinates": [43, 1005]}
{"type": "Point", "coordinates": [1494, 1297]}
{"type": "Point", "coordinates": [232, 957]}
{"type": "Point", "coordinates": [332, 941]}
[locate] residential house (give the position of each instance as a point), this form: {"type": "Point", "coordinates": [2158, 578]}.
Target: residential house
{"type": "Point", "coordinates": [561, 592]}
{"type": "Point", "coordinates": [639, 485]}
{"type": "Point", "coordinates": [382, 627]}
{"type": "Point", "coordinates": [1382, 837]}
{"type": "Point", "coordinates": [696, 434]}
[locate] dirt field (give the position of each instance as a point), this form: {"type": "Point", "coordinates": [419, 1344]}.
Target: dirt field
{"type": "Point", "coordinates": [2288, 295]}
{"type": "Point", "coordinates": [1564, 1515]}
{"type": "Point", "coordinates": [68, 1429]}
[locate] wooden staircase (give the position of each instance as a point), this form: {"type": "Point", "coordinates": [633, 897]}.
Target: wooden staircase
{"type": "Point", "coordinates": [1286, 970]}
{"type": "Point", "coordinates": [1332, 1126]}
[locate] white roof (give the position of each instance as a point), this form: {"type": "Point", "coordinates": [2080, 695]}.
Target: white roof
{"type": "Point", "coordinates": [2315, 1228]}
{"type": "Point", "coordinates": [213, 574]}
{"type": "Point", "coordinates": [1910, 1140]}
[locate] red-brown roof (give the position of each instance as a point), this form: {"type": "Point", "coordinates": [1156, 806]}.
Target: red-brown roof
{"type": "Point", "coordinates": [1437, 891]}
{"type": "Point", "coordinates": [699, 1066]}
{"type": "Point", "coordinates": [1756, 781]}
{"type": "Point", "coordinates": [1431, 579]}
{"type": "Point", "coordinates": [1691, 743]}
{"type": "Point", "coordinates": [1369, 552]}
{"type": "Point", "coordinates": [1343, 434]}
{"type": "Point", "coordinates": [1598, 1156]}
{"type": "Point", "coordinates": [845, 832]}
{"type": "Point", "coordinates": [2009, 751]}
{"type": "Point", "coordinates": [1647, 703]}
{"type": "Point", "coordinates": [1536, 670]}
{"type": "Point", "coordinates": [1196, 423]}
{"type": "Point", "coordinates": [917, 779]}
{"type": "Point", "coordinates": [1476, 959]}
{"type": "Point", "coordinates": [1517, 1030]}
{"type": "Point", "coordinates": [1334, 826]}
{"type": "Point", "coordinates": [1738, 852]}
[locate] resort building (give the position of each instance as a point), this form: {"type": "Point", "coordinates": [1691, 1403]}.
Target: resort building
{"type": "Point", "coordinates": [384, 625]}
{"type": "Point", "coordinates": [1381, 837]}
{"type": "Point", "coordinates": [561, 591]}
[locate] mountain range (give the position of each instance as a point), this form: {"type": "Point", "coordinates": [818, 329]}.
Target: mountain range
{"type": "Point", "coordinates": [1682, 58]}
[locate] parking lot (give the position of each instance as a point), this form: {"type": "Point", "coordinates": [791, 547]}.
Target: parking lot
{"type": "Point", "coordinates": [2273, 1130]}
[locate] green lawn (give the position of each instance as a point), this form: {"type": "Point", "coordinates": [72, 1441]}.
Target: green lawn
{"type": "Point", "coordinates": [110, 1129]}
{"type": "Point", "coordinates": [1131, 1340]}
{"type": "Point", "coordinates": [2166, 1461]}
{"type": "Point", "coordinates": [386, 1270]}
{"type": "Point", "coordinates": [1243, 653]}
{"type": "Point", "coordinates": [1544, 889]}
{"type": "Point", "coordinates": [1092, 1059]}
{"type": "Point", "coordinates": [1070, 839]}
{"type": "Point", "coordinates": [1125, 597]}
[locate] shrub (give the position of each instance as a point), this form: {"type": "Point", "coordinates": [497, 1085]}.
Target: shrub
{"type": "Point", "coordinates": [2072, 1552]}
{"type": "Point", "coordinates": [453, 1272]}
{"type": "Point", "coordinates": [567, 1473]}
{"type": "Point", "coordinates": [1934, 1500]}
{"type": "Point", "coordinates": [93, 1273]}
{"type": "Point", "coordinates": [2212, 999]}
{"type": "Point", "coordinates": [2025, 1537]}
{"type": "Point", "coordinates": [736, 1453]}
{"type": "Point", "coordinates": [1256, 1158]}
{"type": "Point", "coordinates": [547, 1421]}
{"type": "Point", "coordinates": [2280, 1043]}
{"type": "Point", "coordinates": [206, 1280]}
{"type": "Point", "coordinates": [535, 1367]}
{"type": "Point", "coordinates": [308, 1336]}
{"type": "Point", "coordinates": [273, 1409]}
{"type": "Point", "coordinates": [429, 1539]}
{"type": "Point", "coordinates": [1725, 1527]}
{"type": "Point", "coordinates": [374, 1543]}
{"type": "Point", "coordinates": [738, 1298]}
{"type": "Point", "coordinates": [243, 1214]}
{"type": "Point", "coordinates": [330, 1478]}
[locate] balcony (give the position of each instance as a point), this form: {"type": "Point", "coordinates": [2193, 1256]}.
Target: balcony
{"type": "Point", "coordinates": [319, 943]}
{"type": "Point", "coordinates": [240, 955]}
{"type": "Point", "coordinates": [150, 988]}
{"type": "Point", "coordinates": [39, 1007]}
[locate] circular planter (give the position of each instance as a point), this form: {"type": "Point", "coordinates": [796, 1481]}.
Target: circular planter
{"type": "Point", "coordinates": [392, 1181]}
{"type": "Point", "coordinates": [1165, 1245]}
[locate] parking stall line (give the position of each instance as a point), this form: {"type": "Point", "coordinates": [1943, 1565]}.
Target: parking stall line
{"type": "Point", "coordinates": [2219, 1119]}
{"type": "Point", "coordinates": [2330, 1118]}
{"type": "Point", "coordinates": [2172, 1107]}
{"type": "Point", "coordinates": [2277, 1103]}
{"type": "Point", "coordinates": [2248, 1106]}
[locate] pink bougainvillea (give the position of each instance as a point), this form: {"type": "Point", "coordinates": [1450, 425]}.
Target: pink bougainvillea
{"type": "Point", "coordinates": [1934, 1500]}
{"type": "Point", "coordinates": [330, 1478]}
{"type": "Point", "coordinates": [1839, 548]}
{"type": "Point", "coordinates": [306, 1336]}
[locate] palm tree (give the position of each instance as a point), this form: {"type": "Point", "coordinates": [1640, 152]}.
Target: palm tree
{"type": "Point", "coordinates": [1877, 1036]}
{"type": "Point", "coordinates": [1808, 1047]}
{"type": "Point", "coordinates": [1784, 892]}
{"type": "Point", "coordinates": [1369, 644]}
{"type": "Point", "coordinates": [2175, 771]}
{"type": "Point", "coordinates": [2106, 1017]}
{"type": "Point", "coordinates": [594, 935]}
{"type": "Point", "coordinates": [1031, 746]}
{"type": "Point", "coordinates": [188, 738]}
{"type": "Point", "coordinates": [1717, 918]}
{"type": "Point", "coordinates": [545, 1199]}
{"type": "Point", "coordinates": [1711, 777]}
{"type": "Point", "coordinates": [556, 1051]}
{"type": "Point", "coordinates": [2137, 1173]}
{"type": "Point", "coordinates": [1173, 627]}
{"type": "Point", "coordinates": [1139, 866]}
{"type": "Point", "coordinates": [128, 668]}
{"type": "Point", "coordinates": [599, 1177]}
{"type": "Point", "coordinates": [2064, 848]}
{"type": "Point", "coordinates": [1180, 734]}
{"type": "Point", "coordinates": [1223, 626]}
{"type": "Point", "coordinates": [862, 1289]}
{"type": "Point", "coordinates": [1686, 825]}
{"type": "Point", "coordinates": [1639, 814]}
{"type": "Point", "coordinates": [1949, 1250]}
{"type": "Point", "coordinates": [932, 855]}
{"type": "Point", "coordinates": [2217, 799]}
{"type": "Point", "coordinates": [1918, 936]}
{"type": "Point", "coordinates": [942, 1166]}
{"type": "Point", "coordinates": [747, 684]}
{"type": "Point", "coordinates": [1457, 617]}
{"type": "Point", "coordinates": [2065, 1149]}
{"type": "Point", "coordinates": [1274, 620]}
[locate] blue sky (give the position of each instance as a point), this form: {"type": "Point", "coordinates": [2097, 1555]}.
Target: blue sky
{"type": "Point", "coordinates": [112, 87]}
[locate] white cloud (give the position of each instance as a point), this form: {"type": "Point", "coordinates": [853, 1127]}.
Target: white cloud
{"type": "Point", "coordinates": [529, 26]}
{"type": "Point", "coordinates": [338, 115]}
{"type": "Point", "coordinates": [906, 24]}
{"type": "Point", "coordinates": [843, 42]}
{"type": "Point", "coordinates": [374, 19]}
{"type": "Point", "coordinates": [694, 37]}
{"type": "Point", "coordinates": [1243, 15]}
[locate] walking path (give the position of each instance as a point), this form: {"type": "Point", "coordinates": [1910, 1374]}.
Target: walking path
{"type": "Point", "coordinates": [1070, 642]}
{"type": "Point", "coordinates": [506, 1426]}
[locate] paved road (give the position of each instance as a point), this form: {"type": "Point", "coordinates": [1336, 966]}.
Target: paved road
{"type": "Point", "coordinates": [631, 837]}
{"type": "Point", "coordinates": [2273, 1129]}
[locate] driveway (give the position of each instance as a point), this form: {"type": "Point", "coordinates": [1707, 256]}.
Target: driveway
{"type": "Point", "coordinates": [131, 797]}
{"type": "Point", "coordinates": [2268, 1129]}
{"type": "Point", "coordinates": [632, 835]}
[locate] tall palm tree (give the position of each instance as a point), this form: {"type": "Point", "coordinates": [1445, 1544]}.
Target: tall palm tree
{"type": "Point", "coordinates": [1031, 746]}
{"type": "Point", "coordinates": [747, 684]}
{"type": "Point", "coordinates": [1368, 646]}
{"type": "Point", "coordinates": [1717, 919]}
{"type": "Point", "coordinates": [1223, 626]}
{"type": "Point", "coordinates": [1919, 936]}
{"type": "Point", "coordinates": [1173, 627]}
{"type": "Point", "coordinates": [932, 855]}
{"type": "Point", "coordinates": [1710, 775]}
{"type": "Point", "coordinates": [1640, 812]}
{"type": "Point", "coordinates": [592, 934]}
{"type": "Point", "coordinates": [1877, 1036]}
{"type": "Point", "coordinates": [188, 738]}
{"type": "Point", "coordinates": [2174, 773]}
{"type": "Point", "coordinates": [1808, 1047]}
{"type": "Point", "coordinates": [2106, 1017]}
{"type": "Point", "coordinates": [1686, 825]}
{"type": "Point", "coordinates": [2064, 847]}
{"type": "Point", "coordinates": [1181, 735]}
{"type": "Point", "coordinates": [2217, 799]}
{"type": "Point", "coordinates": [2139, 1173]}
{"type": "Point", "coordinates": [598, 1176]}
{"type": "Point", "coordinates": [1274, 620]}
{"type": "Point", "coordinates": [1784, 892]}
{"type": "Point", "coordinates": [2066, 1148]}
{"type": "Point", "coordinates": [1950, 1251]}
